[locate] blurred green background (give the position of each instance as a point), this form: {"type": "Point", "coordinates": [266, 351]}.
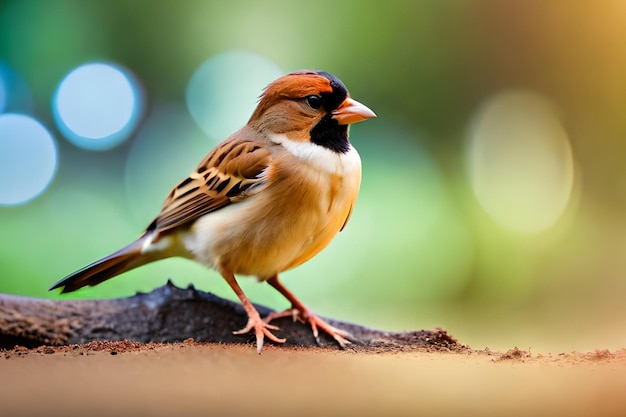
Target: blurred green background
{"type": "Point", "coordinates": [494, 185]}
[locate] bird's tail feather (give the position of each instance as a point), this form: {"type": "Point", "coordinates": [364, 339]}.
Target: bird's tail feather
{"type": "Point", "coordinates": [125, 259]}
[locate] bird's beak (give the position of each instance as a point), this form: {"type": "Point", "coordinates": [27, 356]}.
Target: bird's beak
{"type": "Point", "coordinates": [351, 111]}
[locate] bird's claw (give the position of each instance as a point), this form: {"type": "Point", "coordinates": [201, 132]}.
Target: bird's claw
{"type": "Point", "coordinates": [342, 337]}
{"type": "Point", "coordinates": [261, 329]}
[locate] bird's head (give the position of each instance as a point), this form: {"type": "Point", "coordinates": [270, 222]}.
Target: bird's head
{"type": "Point", "coordinates": [311, 106]}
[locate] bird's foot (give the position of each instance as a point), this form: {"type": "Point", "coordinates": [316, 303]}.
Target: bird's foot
{"type": "Point", "coordinates": [261, 329]}
{"type": "Point", "coordinates": [307, 316]}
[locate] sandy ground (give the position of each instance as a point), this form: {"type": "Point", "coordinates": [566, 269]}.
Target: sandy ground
{"type": "Point", "coordinates": [190, 379]}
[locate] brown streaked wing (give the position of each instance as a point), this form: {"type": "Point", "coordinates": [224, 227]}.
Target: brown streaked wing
{"type": "Point", "coordinates": [231, 172]}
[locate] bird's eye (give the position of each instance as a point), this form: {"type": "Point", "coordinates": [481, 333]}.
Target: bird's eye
{"type": "Point", "coordinates": [314, 101]}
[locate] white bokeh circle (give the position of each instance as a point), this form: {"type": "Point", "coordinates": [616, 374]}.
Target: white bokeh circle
{"type": "Point", "coordinates": [28, 158]}
{"type": "Point", "coordinates": [97, 105]}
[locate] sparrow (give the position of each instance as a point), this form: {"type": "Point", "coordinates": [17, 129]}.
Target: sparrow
{"type": "Point", "coordinates": [265, 200]}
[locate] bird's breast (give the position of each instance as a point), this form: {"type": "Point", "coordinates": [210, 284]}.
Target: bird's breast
{"type": "Point", "coordinates": [304, 205]}
{"type": "Point", "coordinates": [328, 204]}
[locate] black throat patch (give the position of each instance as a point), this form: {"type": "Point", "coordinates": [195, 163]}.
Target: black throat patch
{"type": "Point", "coordinates": [327, 132]}
{"type": "Point", "coordinates": [330, 134]}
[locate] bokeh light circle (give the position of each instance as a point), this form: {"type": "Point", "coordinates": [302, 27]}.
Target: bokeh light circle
{"type": "Point", "coordinates": [520, 161]}
{"type": "Point", "coordinates": [97, 105]}
{"type": "Point", "coordinates": [28, 158]}
{"type": "Point", "coordinates": [223, 92]}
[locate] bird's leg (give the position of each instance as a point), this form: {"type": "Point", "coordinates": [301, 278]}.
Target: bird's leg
{"type": "Point", "coordinates": [261, 328]}
{"type": "Point", "coordinates": [301, 312]}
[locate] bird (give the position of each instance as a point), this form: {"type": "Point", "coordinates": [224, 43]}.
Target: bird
{"type": "Point", "coordinates": [267, 199]}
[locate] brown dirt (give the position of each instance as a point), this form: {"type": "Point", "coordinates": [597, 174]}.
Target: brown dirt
{"type": "Point", "coordinates": [515, 354]}
{"type": "Point", "coordinates": [190, 378]}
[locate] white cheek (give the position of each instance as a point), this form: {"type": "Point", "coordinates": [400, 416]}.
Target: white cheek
{"type": "Point", "coordinates": [321, 158]}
